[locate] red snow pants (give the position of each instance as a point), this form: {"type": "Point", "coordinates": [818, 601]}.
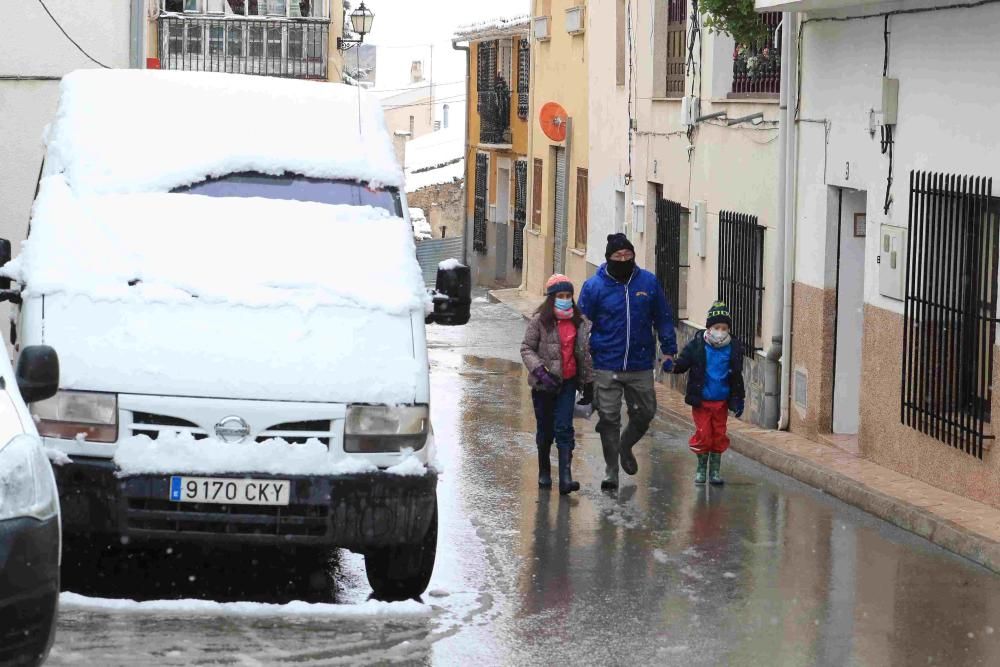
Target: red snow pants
{"type": "Point", "coordinates": [710, 420]}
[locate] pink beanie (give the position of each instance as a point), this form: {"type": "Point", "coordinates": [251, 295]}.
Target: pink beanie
{"type": "Point", "coordinates": [558, 283]}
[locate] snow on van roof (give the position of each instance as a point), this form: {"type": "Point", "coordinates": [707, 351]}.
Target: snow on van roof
{"type": "Point", "coordinates": [255, 252]}
{"type": "Point", "coordinates": [150, 131]}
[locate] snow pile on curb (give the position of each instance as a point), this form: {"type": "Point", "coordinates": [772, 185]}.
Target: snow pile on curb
{"type": "Point", "coordinates": [170, 248]}
{"type": "Point", "coordinates": [105, 140]}
{"type": "Point", "coordinates": [180, 452]}
{"type": "Point", "coordinates": [368, 609]}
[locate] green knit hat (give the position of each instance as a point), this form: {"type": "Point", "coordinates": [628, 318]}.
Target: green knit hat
{"type": "Point", "coordinates": [718, 314]}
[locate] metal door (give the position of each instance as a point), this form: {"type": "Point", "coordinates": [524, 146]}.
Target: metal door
{"type": "Point", "coordinates": [501, 272]}
{"type": "Point", "coordinates": [479, 209]}
{"type": "Point", "coordinates": [559, 251]}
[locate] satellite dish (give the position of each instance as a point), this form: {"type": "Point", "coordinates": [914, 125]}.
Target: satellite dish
{"type": "Point", "coordinates": [553, 119]}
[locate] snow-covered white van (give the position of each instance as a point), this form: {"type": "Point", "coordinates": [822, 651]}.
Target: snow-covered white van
{"type": "Point", "coordinates": [224, 266]}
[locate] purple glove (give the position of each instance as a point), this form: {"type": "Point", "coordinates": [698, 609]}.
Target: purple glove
{"type": "Point", "coordinates": [548, 382]}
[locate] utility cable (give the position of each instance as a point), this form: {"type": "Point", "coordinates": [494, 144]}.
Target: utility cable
{"type": "Point", "coordinates": [73, 41]}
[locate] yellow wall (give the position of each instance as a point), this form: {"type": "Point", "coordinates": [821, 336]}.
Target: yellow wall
{"type": "Point", "coordinates": [559, 74]}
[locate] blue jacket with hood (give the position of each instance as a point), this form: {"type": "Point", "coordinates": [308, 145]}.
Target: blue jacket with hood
{"type": "Point", "coordinates": [623, 316]}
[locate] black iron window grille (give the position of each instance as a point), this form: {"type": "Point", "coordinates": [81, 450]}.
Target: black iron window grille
{"type": "Point", "coordinates": [494, 96]}
{"type": "Point", "coordinates": [669, 256]}
{"type": "Point", "coordinates": [283, 48]}
{"type": "Point", "coordinates": [741, 274]}
{"type": "Point", "coordinates": [676, 47]}
{"type": "Point", "coordinates": [479, 208]}
{"type": "Point", "coordinates": [520, 211]}
{"type": "Point", "coordinates": [950, 310]}
{"type": "Point", "coordinates": [757, 67]}
{"type": "Point", "coordinates": [523, 77]}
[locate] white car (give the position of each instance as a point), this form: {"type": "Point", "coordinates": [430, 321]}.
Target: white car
{"type": "Point", "coordinates": [239, 316]}
{"type": "Point", "coordinates": [29, 514]}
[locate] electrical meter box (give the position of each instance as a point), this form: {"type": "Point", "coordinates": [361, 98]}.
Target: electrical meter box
{"type": "Point", "coordinates": [699, 226]}
{"type": "Point", "coordinates": [892, 262]}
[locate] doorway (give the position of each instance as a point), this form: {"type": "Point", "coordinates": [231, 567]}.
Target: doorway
{"type": "Point", "coordinates": [502, 213]}
{"type": "Point", "coordinates": [851, 233]}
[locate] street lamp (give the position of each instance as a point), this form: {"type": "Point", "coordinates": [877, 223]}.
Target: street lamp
{"type": "Point", "coordinates": [361, 22]}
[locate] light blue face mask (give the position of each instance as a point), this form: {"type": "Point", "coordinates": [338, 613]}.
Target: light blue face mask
{"type": "Point", "coordinates": [564, 304]}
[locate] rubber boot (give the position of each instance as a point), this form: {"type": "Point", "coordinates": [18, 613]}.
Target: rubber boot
{"type": "Point", "coordinates": [544, 466]}
{"type": "Point", "coordinates": [715, 469]}
{"type": "Point", "coordinates": [610, 464]}
{"type": "Point", "coordinates": [701, 474]}
{"type": "Point", "coordinates": [566, 483]}
{"type": "Point", "coordinates": [629, 464]}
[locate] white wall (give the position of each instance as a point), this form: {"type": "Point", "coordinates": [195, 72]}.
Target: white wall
{"type": "Point", "coordinates": [949, 89]}
{"type": "Point", "coordinates": [34, 48]}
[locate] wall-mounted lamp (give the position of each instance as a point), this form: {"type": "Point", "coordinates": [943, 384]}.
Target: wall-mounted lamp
{"type": "Point", "coordinates": [361, 23]}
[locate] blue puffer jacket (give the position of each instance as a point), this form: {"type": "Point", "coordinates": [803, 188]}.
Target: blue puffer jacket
{"type": "Point", "coordinates": [623, 317]}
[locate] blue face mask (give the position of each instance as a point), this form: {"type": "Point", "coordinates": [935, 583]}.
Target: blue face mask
{"type": "Point", "coordinates": [564, 304]}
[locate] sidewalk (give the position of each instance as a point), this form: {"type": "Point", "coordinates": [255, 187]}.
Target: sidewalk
{"type": "Point", "coordinates": [958, 524]}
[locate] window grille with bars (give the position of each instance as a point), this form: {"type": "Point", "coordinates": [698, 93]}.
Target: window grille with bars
{"type": "Point", "coordinates": [520, 211]}
{"type": "Point", "coordinates": [536, 195]}
{"type": "Point", "coordinates": [741, 274]}
{"type": "Point", "coordinates": [949, 315]}
{"type": "Point", "coordinates": [676, 47]}
{"type": "Point", "coordinates": [523, 77]}
{"type": "Point", "coordinates": [582, 192]}
{"type": "Point", "coordinates": [479, 208]}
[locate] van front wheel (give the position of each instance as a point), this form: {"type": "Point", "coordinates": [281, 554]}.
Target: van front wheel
{"type": "Point", "coordinates": [403, 572]}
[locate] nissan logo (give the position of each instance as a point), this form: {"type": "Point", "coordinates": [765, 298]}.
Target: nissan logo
{"type": "Point", "coordinates": [232, 429]}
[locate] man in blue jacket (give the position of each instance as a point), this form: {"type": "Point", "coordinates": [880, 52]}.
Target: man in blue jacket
{"type": "Point", "coordinates": [625, 303]}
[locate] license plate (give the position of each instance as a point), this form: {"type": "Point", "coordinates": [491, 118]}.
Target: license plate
{"type": "Point", "coordinates": [229, 491]}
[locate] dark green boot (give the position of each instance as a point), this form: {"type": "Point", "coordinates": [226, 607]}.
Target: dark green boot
{"type": "Point", "coordinates": [544, 466]}
{"type": "Point", "coordinates": [701, 475]}
{"type": "Point", "coordinates": [715, 469]}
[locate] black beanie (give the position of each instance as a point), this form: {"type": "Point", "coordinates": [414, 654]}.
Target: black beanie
{"type": "Point", "coordinates": [617, 242]}
{"type": "Point", "coordinates": [718, 314]}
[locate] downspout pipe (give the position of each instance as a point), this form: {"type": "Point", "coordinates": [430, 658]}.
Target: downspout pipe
{"type": "Point", "coordinates": [137, 43]}
{"type": "Point", "coordinates": [790, 47]}
{"type": "Point", "coordinates": [773, 385]}
{"type": "Point", "coordinates": [465, 179]}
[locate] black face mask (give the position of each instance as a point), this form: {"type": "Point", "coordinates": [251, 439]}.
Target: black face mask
{"type": "Point", "coordinates": [621, 271]}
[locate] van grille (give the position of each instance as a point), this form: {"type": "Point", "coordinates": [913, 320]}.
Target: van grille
{"type": "Point", "coordinates": [149, 424]}
{"type": "Point", "coordinates": [165, 516]}
{"type": "Point", "coordinates": [297, 433]}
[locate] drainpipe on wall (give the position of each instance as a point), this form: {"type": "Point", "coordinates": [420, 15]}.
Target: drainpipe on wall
{"type": "Point", "coordinates": [465, 177]}
{"type": "Point", "coordinates": [790, 159]}
{"type": "Point", "coordinates": [137, 43]}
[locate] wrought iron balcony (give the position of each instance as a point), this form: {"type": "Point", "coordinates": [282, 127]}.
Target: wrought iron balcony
{"type": "Point", "coordinates": [291, 48]}
{"type": "Point", "coordinates": [757, 68]}
{"type": "Point", "coordinates": [494, 116]}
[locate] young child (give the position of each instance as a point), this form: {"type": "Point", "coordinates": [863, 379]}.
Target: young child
{"type": "Point", "coordinates": [714, 387]}
{"type": "Point", "coordinates": [556, 352]}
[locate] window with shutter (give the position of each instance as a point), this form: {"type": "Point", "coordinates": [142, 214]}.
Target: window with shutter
{"type": "Point", "coordinates": [479, 210]}
{"type": "Point", "coordinates": [536, 196]}
{"type": "Point", "coordinates": [580, 241]}
{"type": "Point", "coordinates": [523, 77]}
{"type": "Point", "coordinates": [520, 211]}
{"type": "Point", "coordinates": [676, 47]}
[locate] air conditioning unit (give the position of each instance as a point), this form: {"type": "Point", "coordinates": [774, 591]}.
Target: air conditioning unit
{"type": "Point", "coordinates": [575, 20]}
{"type": "Point", "coordinates": [542, 28]}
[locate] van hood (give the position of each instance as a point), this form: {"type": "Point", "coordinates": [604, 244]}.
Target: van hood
{"type": "Point", "coordinates": [329, 354]}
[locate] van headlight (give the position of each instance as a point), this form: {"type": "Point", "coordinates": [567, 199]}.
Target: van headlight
{"type": "Point", "coordinates": [374, 429]}
{"type": "Point", "coordinates": [70, 413]}
{"type": "Point", "coordinates": [26, 486]}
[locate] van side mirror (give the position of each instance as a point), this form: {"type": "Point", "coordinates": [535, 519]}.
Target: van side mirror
{"type": "Point", "coordinates": [37, 373]}
{"type": "Point", "coordinates": [453, 294]}
{"type": "Point", "coordinates": [5, 255]}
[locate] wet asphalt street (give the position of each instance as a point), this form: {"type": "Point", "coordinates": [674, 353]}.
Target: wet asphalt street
{"type": "Point", "coordinates": [764, 571]}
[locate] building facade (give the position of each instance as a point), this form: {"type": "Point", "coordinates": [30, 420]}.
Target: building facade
{"type": "Point", "coordinates": [896, 239]}
{"type": "Point", "coordinates": [284, 38]}
{"type": "Point", "coordinates": [686, 124]}
{"type": "Point", "coordinates": [556, 238]}
{"type": "Point", "coordinates": [497, 148]}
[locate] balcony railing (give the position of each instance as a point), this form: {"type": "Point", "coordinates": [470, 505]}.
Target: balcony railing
{"type": "Point", "coordinates": [295, 48]}
{"type": "Point", "coordinates": [494, 117]}
{"type": "Point", "coordinates": [757, 68]}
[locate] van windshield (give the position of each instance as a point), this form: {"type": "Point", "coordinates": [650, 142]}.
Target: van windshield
{"type": "Point", "coordinates": [298, 188]}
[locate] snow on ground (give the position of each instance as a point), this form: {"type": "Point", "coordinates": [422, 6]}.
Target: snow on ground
{"type": "Point", "coordinates": [264, 124]}
{"type": "Point", "coordinates": [368, 609]}
{"type": "Point", "coordinates": [435, 158]}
